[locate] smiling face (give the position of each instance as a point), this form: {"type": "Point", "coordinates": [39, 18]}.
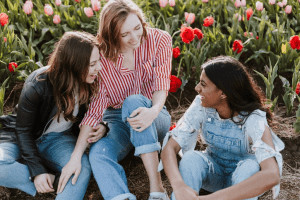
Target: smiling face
{"type": "Point", "coordinates": [94, 66]}
{"type": "Point", "coordinates": [131, 33]}
{"type": "Point", "coordinates": [211, 96]}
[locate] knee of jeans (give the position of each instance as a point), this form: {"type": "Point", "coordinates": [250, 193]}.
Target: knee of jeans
{"type": "Point", "coordinates": [189, 160]}
{"type": "Point", "coordinates": [133, 102]}
{"type": "Point", "coordinates": [245, 169]}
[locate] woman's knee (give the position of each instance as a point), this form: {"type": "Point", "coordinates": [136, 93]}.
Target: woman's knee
{"type": "Point", "coordinates": [191, 161]}
{"type": "Point", "coordinates": [133, 102]}
{"type": "Point", "coordinates": [245, 169]}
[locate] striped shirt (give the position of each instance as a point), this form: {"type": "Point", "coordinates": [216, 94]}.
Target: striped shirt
{"type": "Point", "coordinates": [153, 63]}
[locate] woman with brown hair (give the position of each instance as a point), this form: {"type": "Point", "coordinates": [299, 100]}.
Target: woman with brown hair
{"type": "Point", "coordinates": [52, 103]}
{"type": "Point", "coordinates": [134, 82]}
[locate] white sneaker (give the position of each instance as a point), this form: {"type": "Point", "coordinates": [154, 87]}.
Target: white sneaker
{"type": "Point", "coordinates": [158, 196]}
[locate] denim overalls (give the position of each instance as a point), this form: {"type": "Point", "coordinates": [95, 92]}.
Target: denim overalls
{"type": "Point", "coordinates": [233, 151]}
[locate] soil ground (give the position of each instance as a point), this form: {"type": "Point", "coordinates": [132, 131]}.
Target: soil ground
{"type": "Point", "coordinates": [136, 174]}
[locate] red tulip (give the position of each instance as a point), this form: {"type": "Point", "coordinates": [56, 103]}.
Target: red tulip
{"type": "Point", "coordinates": [199, 33]}
{"type": "Point", "coordinates": [237, 46]}
{"type": "Point", "coordinates": [175, 83]}
{"type": "Point", "coordinates": [176, 52]}
{"type": "Point", "coordinates": [208, 21]}
{"type": "Point", "coordinates": [12, 66]}
{"type": "Point", "coordinates": [3, 19]}
{"type": "Point", "coordinates": [187, 34]}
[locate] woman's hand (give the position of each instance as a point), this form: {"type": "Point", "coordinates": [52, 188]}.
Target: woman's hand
{"type": "Point", "coordinates": [72, 167]}
{"type": "Point", "coordinates": [43, 183]}
{"type": "Point", "coordinates": [98, 132]}
{"type": "Point", "coordinates": [141, 118]}
{"type": "Point", "coordinates": [183, 192]}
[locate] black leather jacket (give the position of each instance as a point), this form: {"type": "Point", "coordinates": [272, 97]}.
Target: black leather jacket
{"type": "Point", "coordinates": [36, 109]}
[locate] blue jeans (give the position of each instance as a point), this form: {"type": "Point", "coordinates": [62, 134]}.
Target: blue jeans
{"type": "Point", "coordinates": [105, 154]}
{"type": "Point", "coordinates": [56, 150]}
{"type": "Point", "coordinates": [199, 170]}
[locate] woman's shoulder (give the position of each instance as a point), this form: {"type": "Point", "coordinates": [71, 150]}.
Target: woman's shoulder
{"type": "Point", "coordinates": [257, 116]}
{"type": "Point", "coordinates": [158, 34]}
{"type": "Point", "coordinates": [37, 75]}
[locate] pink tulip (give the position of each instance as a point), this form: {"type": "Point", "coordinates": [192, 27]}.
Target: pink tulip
{"type": "Point", "coordinates": [206, 1]}
{"type": "Point", "coordinates": [237, 3]}
{"type": "Point", "coordinates": [88, 11]}
{"type": "Point", "coordinates": [4, 39]}
{"type": "Point", "coordinates": [243, 3]}
{"type": "Point", "coordinates": [272, 2]}
{"type": "Point", "coordinates": [280, 4]}
{"type": "Point", "coordinates": [189, 17]}
{"type": "Point", "coordinates": [96, 5]}
{"type": "Point", "coordinates": [299, 1]}
{"type": "Point", "coordinates": [30, 3]}
{"type": "Point", "coordinates": [56, 19]}
{"type": "Point", "coordinates": [288, 9]}
{"type": "Point", "coordinates": [238, 16]}
{"type": "Point", "coordinates": [48, 10]}
{"type": "Point", "coordinates": [78, 1]}
{"type": "Point", "coordinates": [58, 2]}
{"type": "Point", "coordinates": [172, 3]}
{"type": "Point", "coordinates": [27, 8]}
{"type": "Point", "coordinates": [163, 3]}
{"type": "Point", "coordinates": [259, 6]}
{"type": "Point", "coordinates": [284, 2]}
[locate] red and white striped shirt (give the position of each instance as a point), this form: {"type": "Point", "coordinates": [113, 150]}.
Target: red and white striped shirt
{"type": "Point", "coordinates": [153, 63]}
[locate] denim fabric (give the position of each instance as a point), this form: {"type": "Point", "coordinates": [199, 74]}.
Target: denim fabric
{"type": "Point", "coordinates": [105, 154]}
{"type": "Point", "coordinates": [229, 145]}
{"type": "Point", "coordinates": [12, 173]}
{"type": "Point", "coordinates": [55, 149]}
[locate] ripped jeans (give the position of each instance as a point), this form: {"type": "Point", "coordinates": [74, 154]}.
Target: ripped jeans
{"type": "Point", "coordinates": [199, 170]}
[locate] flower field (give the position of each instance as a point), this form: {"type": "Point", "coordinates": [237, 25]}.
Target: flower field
{"type": "Point", "coordinates": [263, 34]}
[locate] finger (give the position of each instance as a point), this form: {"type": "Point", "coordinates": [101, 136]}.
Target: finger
{"type": "Point", "coordinates": [47, 188]}
{"type": "Point", "coordinates": [49, 182]}
{"type": "Point", "coordinates": [61, 187]}
{"type": "Point", "coordinates": [140, 129]}
{"type": "Point", "coordinates": [42, 188]}
{"type": "Point", "coordinates": [136, 112]}
{"type": "Point", "coordinates": [97, 127]}
{"type": "Point", "coordinates": [93, 139]}
{"type": "Point", "coordinates": [74, 179]}
{"type": "Point", "coordinates": [38, 189]}
{"type": "Point", "coordinates": [134, 119]}
{"type": "Point", "coordinates": [62, 183]}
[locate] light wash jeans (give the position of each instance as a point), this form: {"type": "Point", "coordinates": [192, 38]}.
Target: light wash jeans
{"type": "Point", "coordinates": [55, 149]}
{"type": "Point", "coordinates": [199, 170]}
{"type": "Point", "coordinates": [105, 154]}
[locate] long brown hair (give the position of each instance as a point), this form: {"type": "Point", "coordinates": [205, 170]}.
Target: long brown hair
{"type": "Point", "coordinates": [112, 16]}
{"type": "Point", "coordinates": [243, 94]}
{"type": "Point", "coordinates": [69, 66]}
